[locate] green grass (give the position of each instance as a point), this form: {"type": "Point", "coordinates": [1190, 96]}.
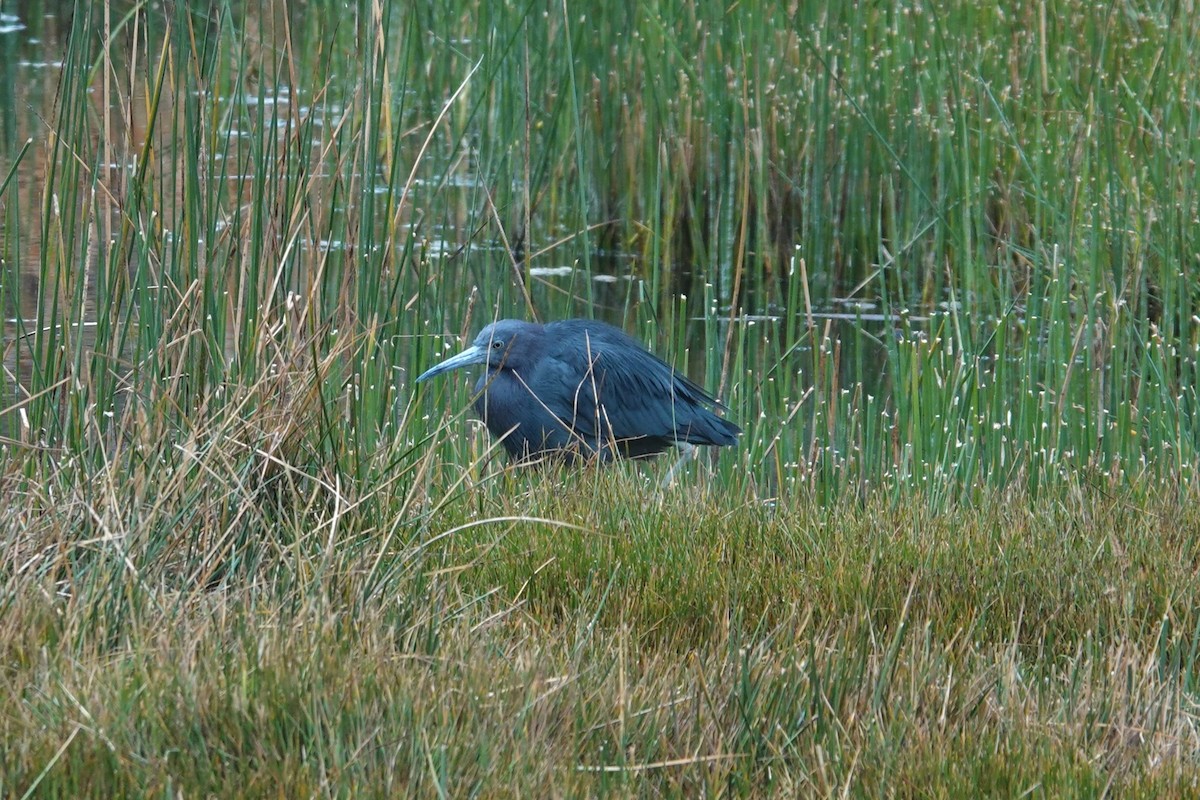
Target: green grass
{"type": "Point", "coordinates": [703, 646]}
{"type": "Point", "coordinates": [939, 260]}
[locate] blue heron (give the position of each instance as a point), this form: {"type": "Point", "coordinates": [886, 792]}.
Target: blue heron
{"type": "Point", "coordinates": [581, 388]}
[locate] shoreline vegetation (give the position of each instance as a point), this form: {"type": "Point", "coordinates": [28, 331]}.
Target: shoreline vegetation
{"type": "Point", "coordinates": [940, 262]}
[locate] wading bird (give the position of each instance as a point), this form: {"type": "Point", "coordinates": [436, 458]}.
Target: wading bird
{"type": "Point", "coordinates": [580, 388]}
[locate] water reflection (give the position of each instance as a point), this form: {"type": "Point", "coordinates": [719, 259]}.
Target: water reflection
{"type": "Point", "coordinates": [10, 23]}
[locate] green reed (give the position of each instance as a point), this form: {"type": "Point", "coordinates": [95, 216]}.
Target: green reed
{"type": "Point", "coordinates": [909, 176]}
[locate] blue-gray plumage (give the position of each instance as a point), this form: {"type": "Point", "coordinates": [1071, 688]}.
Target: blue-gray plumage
{"type": "Point", "coordinates": [583, 388]}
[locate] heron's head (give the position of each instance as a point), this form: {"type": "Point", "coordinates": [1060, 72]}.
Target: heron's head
{"type": "Point", "coordinates": [508, 343]}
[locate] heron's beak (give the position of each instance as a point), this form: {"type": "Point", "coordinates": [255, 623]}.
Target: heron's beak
{"type": "Point", "coordinates": [472, 355]}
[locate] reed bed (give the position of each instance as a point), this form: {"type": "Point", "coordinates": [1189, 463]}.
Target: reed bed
{"type": "Point", "coordinates": [938, 260]}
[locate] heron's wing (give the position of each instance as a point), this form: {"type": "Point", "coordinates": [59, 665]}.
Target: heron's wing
{"type": "Point", "coordinates": [613, 389]}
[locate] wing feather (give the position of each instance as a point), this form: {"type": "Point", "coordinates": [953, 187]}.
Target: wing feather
{"type": "Point", "coordinates": [606, 388]}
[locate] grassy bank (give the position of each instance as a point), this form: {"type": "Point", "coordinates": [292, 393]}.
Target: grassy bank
{"type": "Point", "coordinates": [939, 261]}
{"type": "Point", "coordinates": [692, 643]}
